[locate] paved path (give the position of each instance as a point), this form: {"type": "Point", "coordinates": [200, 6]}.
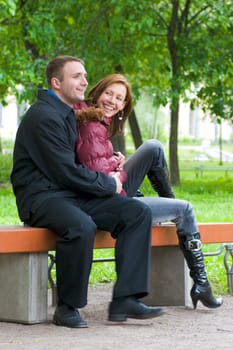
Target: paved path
{"type": "Point", "coordinates": [178, 329]}
{"type": "Point", "coordinates": [211, 152]}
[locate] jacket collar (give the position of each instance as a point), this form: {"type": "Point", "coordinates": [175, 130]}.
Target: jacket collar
{"type": "Point", "coordinates": [55, 101]}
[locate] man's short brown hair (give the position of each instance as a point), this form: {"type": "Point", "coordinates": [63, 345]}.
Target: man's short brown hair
{"type": "Point", "coordinates": [55, 67]}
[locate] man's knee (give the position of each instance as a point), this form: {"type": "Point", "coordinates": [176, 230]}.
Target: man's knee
{"type": "Point", "coordinates": [140, 209]}
{"type": "Point", "coordinates": [82, 228]}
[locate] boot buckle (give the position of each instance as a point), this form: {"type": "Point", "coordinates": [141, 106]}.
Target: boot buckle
{"type": "Point", "coordinates": [194, 245]}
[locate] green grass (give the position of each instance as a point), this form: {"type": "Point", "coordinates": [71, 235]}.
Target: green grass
{"type": "Point", "coordinates": [5, 167]}
{"type": "Point", "coordinates": [211, 196]}
{"type": "Point", "coordinates": [9, 214]}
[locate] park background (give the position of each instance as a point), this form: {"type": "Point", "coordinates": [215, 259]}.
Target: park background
{"type": "Point", "coordinates": [177, 56]}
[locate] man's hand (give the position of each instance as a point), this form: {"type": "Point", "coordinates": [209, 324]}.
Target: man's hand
{"type": "Point", "coordinates": [116, 176]}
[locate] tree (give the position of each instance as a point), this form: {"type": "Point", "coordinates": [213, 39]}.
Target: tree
{"type": "Point", "coordinates": [167, 46]}
{"type": "Point", "coordinates": [191, 28]}
{"type": "Point", "coordinates": [27, 37]}
{"type": "Point", "coordinates": [167, 43]}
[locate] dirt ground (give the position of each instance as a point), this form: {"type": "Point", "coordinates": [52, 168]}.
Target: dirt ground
{"type": "Point", "coordinates": [180, 328]}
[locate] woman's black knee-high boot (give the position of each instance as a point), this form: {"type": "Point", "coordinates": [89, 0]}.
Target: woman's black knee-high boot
{"type": "Point", "coordinates": [201, 290]}
{"type": "Point", "coordinates": [159, 179]}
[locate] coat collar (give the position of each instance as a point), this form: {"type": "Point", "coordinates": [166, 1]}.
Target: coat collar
{"type": "Point", "coordinates": [55, 102]}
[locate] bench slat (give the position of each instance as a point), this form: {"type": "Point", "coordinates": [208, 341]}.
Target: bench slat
{"type": "Point", "coordinates": [19, 239]}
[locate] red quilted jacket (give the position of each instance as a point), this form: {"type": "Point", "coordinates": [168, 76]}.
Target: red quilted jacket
{"type": "Point", "coordinates": [94, 149]}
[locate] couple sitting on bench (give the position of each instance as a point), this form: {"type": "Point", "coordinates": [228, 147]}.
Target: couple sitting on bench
{"type": "Point", "coordinates": [54, 190]}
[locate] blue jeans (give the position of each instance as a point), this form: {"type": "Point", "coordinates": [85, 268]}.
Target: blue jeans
{"type": "Point", "coordinates": [148, 156]}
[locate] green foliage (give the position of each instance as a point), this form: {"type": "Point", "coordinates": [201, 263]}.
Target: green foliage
{"type": "Point", "coordinates": [27, 36]}
{"type": "Point", "coordinates": [172, 47]}
{"type": "Point", "coordinates": [116, 35]}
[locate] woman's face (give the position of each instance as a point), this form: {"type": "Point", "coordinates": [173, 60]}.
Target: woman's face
{"type": "Point", "coordinates": [112, 99]}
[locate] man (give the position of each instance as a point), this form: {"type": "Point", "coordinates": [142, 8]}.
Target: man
{"type": "Point", "coordinates": [52, 190]}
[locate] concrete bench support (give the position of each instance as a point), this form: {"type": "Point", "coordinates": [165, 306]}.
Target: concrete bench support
{"type": "Point", "coordinates": [23, 287]}
{"type": "Point", "coordinates": [170, 282]}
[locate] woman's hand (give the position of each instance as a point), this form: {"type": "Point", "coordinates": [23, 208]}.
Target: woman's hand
{"type": "Point", "coordinates": [120, 158]}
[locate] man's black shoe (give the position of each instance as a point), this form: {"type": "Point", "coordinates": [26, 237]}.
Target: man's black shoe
{"type": "Point", "coordinates": [67, 316]}
{"type": "Point", "coordinates": [130, 307]}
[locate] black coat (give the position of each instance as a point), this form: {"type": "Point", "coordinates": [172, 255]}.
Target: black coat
{"type": "Point", "coordinates": [44, 163]}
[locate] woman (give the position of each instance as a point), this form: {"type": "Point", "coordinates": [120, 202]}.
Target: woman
{"type": "Point", "coordinates": [94, 149]}
{"type": "Point", "coordinates": [113, 95]}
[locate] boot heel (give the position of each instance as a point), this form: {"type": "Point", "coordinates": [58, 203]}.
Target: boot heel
{"type": "Point", "coordinates": [204, 294]}
{"type": "Point", "coordinates": [195, 299]}
{"type": "Point", "coordinates": [190, 244]}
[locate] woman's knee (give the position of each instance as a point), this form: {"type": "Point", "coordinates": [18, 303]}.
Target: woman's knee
{"type": "Point", "coordinates": [153, 145]}
{"type": "Point", "coordinates": [188, 207]}
{"type": "Point", "coordinates": [154, 150]}
{"type": "Point", "coordinates": [183, 206]}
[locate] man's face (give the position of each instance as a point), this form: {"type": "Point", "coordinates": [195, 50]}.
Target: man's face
{"type": "Point", "coordinates": [73, 86]}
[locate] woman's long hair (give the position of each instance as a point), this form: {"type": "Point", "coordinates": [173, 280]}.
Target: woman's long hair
{"type": "Point", "coordinates": [118, 120]}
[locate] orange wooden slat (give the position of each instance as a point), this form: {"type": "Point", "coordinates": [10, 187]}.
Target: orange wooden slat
{"type": "Point", "coordinates": [16, 239]}
{"type": "Point", "coordinates": [216, 232]}
{"type": "Point", "coordinates": [164, 235]}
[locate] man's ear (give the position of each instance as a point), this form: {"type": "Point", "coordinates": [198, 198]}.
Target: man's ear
{"type": "Point", "coordinates": [55, 83]}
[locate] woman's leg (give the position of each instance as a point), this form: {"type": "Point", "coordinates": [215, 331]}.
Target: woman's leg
{"type": "Point", "coordinates": [148, 159]}
{"type": "Point", "coordinates": [181, 213]}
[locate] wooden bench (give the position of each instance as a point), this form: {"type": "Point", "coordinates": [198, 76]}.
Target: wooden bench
{"type": "Point", "coordinates": [24, 267]}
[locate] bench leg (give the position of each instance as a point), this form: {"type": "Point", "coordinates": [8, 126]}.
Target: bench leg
{"type": "Point", "coordinates": [24, 287]}
{"type": "Point", "coordinates": [170, 283]}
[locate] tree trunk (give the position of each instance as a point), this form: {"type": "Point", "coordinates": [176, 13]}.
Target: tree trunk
{"type": "Point", "coordinates": [173, 145]}
{"type": "Point", "coordinates": [220, 143]}
{"type": "Point", "coordinates": [118, 142]}
{"type": "Point", "coordinates": [135, 130]}
{"type": "Point", "coordinates": [175, 91]}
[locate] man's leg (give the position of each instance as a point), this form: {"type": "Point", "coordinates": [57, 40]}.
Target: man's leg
{"type": "Point", "coordinates": [129, 221]}
{"type": "Point", "coordinates": [148, 159]}
{"type": "Point", "coordinates": [73, 255]}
